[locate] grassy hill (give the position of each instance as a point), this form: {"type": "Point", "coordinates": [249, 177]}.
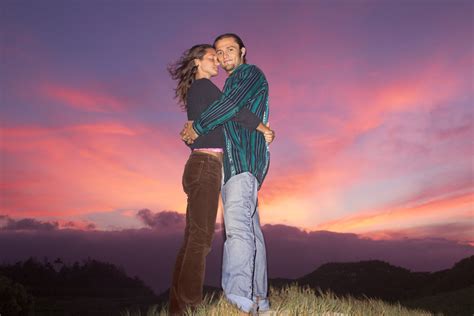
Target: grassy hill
{"type": "Point", "coordinates": [382, 280]}
{"type": "Point", "coordinates": [365, 288]}
{"type": "Point", "coordinates": [447, 292]}
{"type": "Point", "coordinates": [336, 289]}
{"type": "Point", "coordinates": [453, 303]}
{"type": "Point", "coordinates": [295, 300]}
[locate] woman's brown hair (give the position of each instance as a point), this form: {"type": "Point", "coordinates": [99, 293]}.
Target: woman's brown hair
{"type": "Point", "coordinates": [184, 71]}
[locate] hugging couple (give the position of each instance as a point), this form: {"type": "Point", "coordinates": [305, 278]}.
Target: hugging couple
{"type": "Point", "coordinates": [228, 134]}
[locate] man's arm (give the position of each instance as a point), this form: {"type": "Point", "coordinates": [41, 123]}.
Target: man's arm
{"type": "Point", "coordinates": [268, 133]}
{"type": "Point", "coordinates": [230, 102]}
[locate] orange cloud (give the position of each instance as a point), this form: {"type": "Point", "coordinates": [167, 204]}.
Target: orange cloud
{"type": "Point", "coordinates": [404, 216]}
{"type": "Point", "coordinates": [461, 230]}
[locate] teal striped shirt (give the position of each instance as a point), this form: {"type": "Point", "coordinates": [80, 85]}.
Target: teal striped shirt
{"type": "Point", "coordinates": [245, 150]}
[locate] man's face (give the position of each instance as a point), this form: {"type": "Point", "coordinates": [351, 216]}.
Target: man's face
{"type": "Point", "coordinates": [229, 54]}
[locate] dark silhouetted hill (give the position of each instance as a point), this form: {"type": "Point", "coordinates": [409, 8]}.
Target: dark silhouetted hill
{"type": "Point", "coordinates": [381, 280]}
{"type": "Point", "coordinates": [90, 288]}
{"type": "Point", "coordinates": [367, 278]}
{"type": "Point", "coordinates": [460, 276]}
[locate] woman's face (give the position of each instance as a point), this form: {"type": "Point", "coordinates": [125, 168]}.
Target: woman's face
{"type": "Point", "coordinates": [208, 65]}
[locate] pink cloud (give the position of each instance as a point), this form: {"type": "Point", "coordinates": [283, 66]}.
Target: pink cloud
{"type": "Point", "coordinates": [92, 101]}
{"type": "Point", "coordinates": [332, 136]}
{"type": "Point", "coordinates": [94, 167]}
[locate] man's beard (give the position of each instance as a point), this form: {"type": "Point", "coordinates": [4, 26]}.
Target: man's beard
{"type": "Point", "coordinates": [229, 67]}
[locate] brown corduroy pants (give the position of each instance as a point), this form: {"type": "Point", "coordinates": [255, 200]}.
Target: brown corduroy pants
{"type": "Point", "coordinates": [202, 183]}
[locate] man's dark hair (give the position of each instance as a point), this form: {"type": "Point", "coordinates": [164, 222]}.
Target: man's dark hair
{"type": "Point", "coordinates": [237, 39]}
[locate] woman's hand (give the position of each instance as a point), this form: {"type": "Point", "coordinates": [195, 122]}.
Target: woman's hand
{"type": "Point", "coordinates": [268, 133]}
{"type": "Point", "coordinates": [188, 134]}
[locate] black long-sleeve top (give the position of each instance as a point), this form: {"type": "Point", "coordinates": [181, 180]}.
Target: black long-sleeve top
{"type": "Point", "coordinates": [203, 93]}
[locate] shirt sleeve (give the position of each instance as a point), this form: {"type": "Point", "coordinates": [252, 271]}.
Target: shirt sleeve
{"type": "Point", "coordinates": [230, 102]}
{"type": "Point", "coordinates": [244, 117]}
{"type": "Point", "coordinates": [247, 119]}
{"type": "Point", "coordinates": [192, 102]}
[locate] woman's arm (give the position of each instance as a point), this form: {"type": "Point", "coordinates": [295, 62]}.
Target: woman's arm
{"type": "Point", "coordinates": [251, 121]}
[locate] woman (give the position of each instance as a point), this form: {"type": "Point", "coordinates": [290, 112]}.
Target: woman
{"type": "Point", "coordinates": [202, 172]}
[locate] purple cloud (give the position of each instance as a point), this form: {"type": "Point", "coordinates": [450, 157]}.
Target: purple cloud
{"type": "Point", "coordinates": [7, 223]}
{"type": "Point", "coordinates": [162, 220]}
{"type": "Point", "coordinates": [87, 226]}
{"type": "Point", "coordinates": [150, 253]}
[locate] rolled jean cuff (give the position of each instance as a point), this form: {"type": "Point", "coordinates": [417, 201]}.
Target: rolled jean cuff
{"type": "Point", "coordinates": [263, 304]}
{"type": "Point", "coordinates": [242, 303]}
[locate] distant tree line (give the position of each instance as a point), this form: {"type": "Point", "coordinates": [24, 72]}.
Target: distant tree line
{"type": "Point", "coordinates": [22, 282]}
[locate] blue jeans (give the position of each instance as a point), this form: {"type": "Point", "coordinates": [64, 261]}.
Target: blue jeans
{"type": "Point", "coordinates": [244, 266]}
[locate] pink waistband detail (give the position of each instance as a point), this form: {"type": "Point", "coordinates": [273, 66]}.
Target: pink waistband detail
{"type": "Point", "coordinates": [215, 150]}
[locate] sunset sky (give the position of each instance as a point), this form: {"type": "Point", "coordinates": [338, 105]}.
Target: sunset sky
{"type": "Point", "coordinates": [371, 102]}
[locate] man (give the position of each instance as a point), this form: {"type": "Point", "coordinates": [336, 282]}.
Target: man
{"type": "Point", "coordinates": [246, 160]}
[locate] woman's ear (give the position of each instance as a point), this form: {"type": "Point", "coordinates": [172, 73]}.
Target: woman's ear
{"type": "Point", "coordinates": [196, 62]}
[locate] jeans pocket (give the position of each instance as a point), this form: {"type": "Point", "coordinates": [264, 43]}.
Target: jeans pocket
{"type": "Point", "coordinates": [192, 173]}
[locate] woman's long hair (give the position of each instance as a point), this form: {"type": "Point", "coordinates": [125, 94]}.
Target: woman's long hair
{"type": "Point", "coordinates": [184, 71]}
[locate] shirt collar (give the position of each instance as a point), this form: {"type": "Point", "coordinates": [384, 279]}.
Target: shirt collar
{"type": "Point", "coordinates": [239, 67]}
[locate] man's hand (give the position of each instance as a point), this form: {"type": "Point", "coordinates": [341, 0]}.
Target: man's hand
{"type": "Point", "coordinates": [188, 134]}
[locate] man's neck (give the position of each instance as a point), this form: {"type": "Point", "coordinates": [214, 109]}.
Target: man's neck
{"type": "Point", "coordinates": [231, 71]}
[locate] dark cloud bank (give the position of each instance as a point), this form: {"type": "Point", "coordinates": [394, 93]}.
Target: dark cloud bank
{"type": "Point", "coordinates": [149, 253]}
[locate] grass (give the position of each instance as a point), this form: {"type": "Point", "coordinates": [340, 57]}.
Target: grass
{"type": "Point", "coordinates": [294, 300]}
{"type": "Point", "coordinates": [455, 303]}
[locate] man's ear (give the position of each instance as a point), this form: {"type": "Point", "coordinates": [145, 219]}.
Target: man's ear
{"type": "Point", "coordinates": [242, 52]}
